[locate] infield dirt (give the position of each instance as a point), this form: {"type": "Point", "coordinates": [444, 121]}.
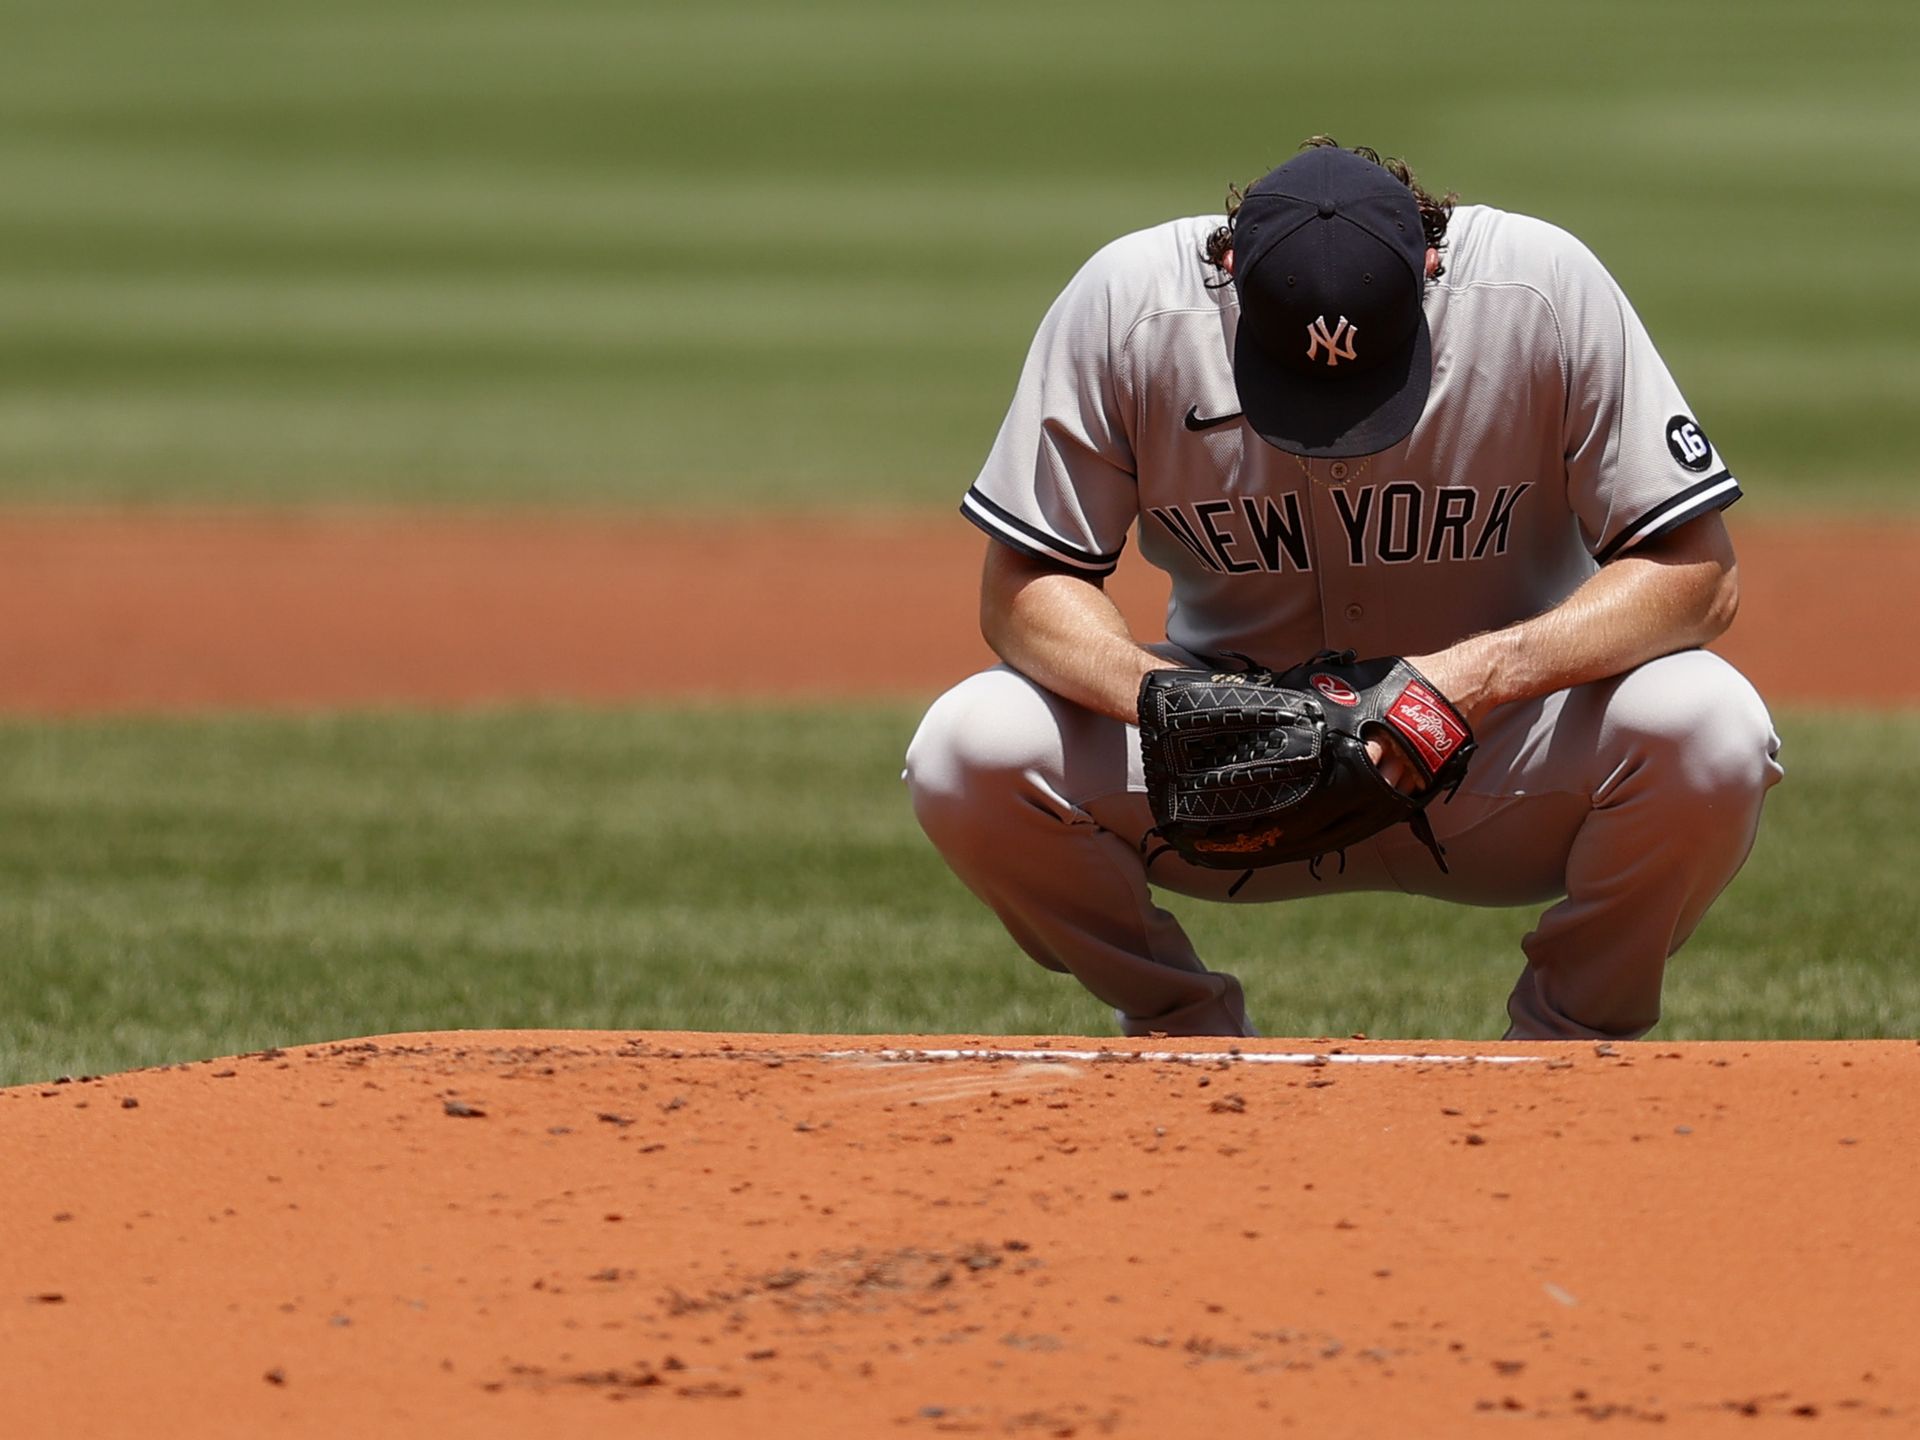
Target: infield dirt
{"type": "Point", "coordinates": [698, 1235]}
{"type": "Point", "coordinates": [183, 612]}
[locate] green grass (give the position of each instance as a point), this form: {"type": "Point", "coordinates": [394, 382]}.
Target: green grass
{"type": "Point", "coordinates": [723, 253]}
{"type": "Point", "coordinates": [177, 889]}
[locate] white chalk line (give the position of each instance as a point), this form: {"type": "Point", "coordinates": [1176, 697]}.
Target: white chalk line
{"type": "Point", "coordinates": [1182, 1057]}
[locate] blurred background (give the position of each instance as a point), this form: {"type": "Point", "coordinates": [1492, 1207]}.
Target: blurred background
{"type": "Point", "coordinates": [646, 256]}
{"type": "Point", "coordinates": [678, 252]}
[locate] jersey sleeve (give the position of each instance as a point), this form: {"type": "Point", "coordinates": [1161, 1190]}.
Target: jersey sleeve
{"type": "Point", "coordinates": [1059, 482]}
{"type": "Point", "coordinates": [1638, 463]}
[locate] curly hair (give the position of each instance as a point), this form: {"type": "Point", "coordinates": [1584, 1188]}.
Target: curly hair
{"type": "Point", "coordinates": [1434, 213]}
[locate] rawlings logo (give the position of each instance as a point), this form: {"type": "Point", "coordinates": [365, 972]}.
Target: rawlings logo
{"type": "Point", "coordinates": [1319, 338]}
{"type": "Point", "coordinates": [1431, 724]}
{"type": "Point", "coordinates": [1336, 690]}
{"type": "Point", "coordinates": [1431, 729]}
{"type": "Point", "coordinates": [1240, 844]}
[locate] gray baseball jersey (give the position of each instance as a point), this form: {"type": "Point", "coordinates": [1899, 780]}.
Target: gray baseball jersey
{"type": "Point", "coordinates": [1553, 439]}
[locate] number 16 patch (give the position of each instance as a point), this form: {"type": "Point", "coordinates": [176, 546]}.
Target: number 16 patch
{"type": "Point", "coordinates": [1688, 442]}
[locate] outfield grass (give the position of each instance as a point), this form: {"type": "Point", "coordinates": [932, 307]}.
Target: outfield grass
{"type": "Point", "coordinates": [726, 252]}
{"type": "Point", "coordinates": [179, 889]}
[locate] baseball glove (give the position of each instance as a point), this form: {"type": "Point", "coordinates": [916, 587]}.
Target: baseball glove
{"type": "Point", "coordinates": [1251, 768]}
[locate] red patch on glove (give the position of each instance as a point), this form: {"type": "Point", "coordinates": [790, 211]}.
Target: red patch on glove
{"type": "Point", "coordinates": [1427, 723]}
{"type": "Point", "coordinates": [1336, 690]}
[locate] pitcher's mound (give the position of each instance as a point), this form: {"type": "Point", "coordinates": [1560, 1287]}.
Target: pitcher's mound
{"type": "Point", "coordinates": [688, 1235]}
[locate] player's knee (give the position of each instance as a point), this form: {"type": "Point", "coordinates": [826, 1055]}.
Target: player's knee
{"type": "Point", "coordinates": [1701, 723]}
{"type": "Point", "coordinates": [979, 746]}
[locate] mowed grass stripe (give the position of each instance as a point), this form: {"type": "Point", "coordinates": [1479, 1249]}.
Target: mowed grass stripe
{"type": "Point", "coordinates": [177, 889]}
{"type": "Point", "coordinates": [743, 253]}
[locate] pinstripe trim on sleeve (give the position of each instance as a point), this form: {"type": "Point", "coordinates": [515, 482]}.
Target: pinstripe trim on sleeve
{"type": "Point", "coordinates": [1030, 539]}
{"type": "Point", "coordinates": [1716, 492]}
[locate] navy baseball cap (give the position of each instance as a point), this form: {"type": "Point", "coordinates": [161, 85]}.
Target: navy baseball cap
{"type": "Point", "coordinates": [1333, 355]}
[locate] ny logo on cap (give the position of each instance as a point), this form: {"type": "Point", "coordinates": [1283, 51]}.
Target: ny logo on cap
{"type": "Point", "coordinates": [1318, 339]}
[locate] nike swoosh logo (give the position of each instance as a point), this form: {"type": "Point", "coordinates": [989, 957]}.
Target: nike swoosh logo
{"type": "Point", "coordinates": [1195, 421]}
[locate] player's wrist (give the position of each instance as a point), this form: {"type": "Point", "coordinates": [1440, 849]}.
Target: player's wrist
{"type": "Point", "coordinates": [1145, 664]}
{"type": "Point", "coordinates": [1471, 674]}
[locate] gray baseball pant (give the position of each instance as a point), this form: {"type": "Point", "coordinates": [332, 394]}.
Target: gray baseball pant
{"type": "Point", "coordinates": [1630, 803]}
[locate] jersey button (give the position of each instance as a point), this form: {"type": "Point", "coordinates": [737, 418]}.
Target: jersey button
{"type": "Point", "coordinates": [1338, 470]}
{"type": "Point", "coordinates": [1355, 612]}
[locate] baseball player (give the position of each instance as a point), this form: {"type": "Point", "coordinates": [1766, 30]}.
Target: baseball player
{"type": "Point", "coordinates": [1350, 416]}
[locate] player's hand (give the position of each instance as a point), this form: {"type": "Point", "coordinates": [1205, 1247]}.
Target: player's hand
{"type": "Point", "coordinates": [1463, 674]}
{"type": "Point", "coordinates": [1392, 764]}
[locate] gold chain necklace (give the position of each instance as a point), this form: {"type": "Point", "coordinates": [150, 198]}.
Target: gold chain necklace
{"type": "Point", "coordinates": [1338, 471]}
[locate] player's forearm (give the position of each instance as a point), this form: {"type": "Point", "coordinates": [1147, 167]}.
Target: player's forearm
{"type": "Point", "coordinates": [1063, 632]}
{"type": "Point", "coordinates": [1671, 596]}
